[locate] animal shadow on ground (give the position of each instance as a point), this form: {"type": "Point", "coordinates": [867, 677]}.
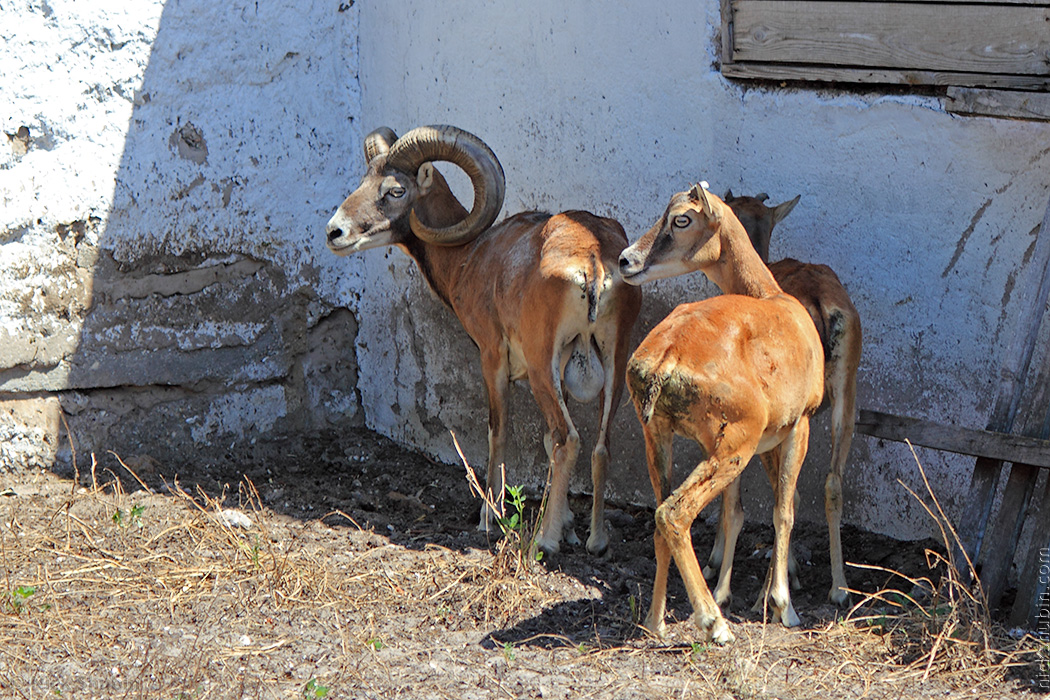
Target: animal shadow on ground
{"type": "Point", "coordinates": [359, 479]}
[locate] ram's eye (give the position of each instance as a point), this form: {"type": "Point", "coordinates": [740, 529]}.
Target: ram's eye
{"type": "Point", "coordinates": [681, 221]}
{"type": "Point", "coordinates": [396, 192]}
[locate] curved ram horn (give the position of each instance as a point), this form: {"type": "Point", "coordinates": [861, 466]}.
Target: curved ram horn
{"type": "Point", "coordinates": [379, 142]}
{"type": "Point", "coordinates": [448, 143]}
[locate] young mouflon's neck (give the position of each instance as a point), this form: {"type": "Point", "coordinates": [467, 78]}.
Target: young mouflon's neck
{"type": "Point", "coordinates": [739, 269]}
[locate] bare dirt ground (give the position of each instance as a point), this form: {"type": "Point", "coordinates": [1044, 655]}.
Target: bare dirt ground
{"type": "Point", "coordinates": [351, 568]}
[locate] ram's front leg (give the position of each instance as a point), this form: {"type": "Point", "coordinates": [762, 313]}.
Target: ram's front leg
{"type": "Point", "coordinates": [494, 369]}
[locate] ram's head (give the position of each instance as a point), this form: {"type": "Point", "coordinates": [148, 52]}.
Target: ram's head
{"type": "Point", "coordinates": [402, 194]}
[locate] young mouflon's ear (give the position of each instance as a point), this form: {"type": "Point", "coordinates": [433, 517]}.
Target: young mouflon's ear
{"type": "Point", "coordinates": [699, 194]}
{"type": "Point", "coordinates": [783, 209]}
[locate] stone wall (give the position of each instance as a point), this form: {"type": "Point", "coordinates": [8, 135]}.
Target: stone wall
{"type": "Point", "coordinates": [166, 176]}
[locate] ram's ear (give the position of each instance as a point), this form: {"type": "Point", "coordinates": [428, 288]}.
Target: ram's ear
{"type": "Point", "coordinates": [425, 177]}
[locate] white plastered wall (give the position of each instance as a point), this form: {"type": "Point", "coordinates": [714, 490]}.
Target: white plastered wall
{"type": "Point", "coordinates": [926, 217]}
{"type": "Point", "coordinates": [161, 230]}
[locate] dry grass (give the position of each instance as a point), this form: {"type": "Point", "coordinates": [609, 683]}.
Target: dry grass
{"type": "Point", "coordinates": [107, 593]}
{"type": "Point", "coordinates": [942, 626]}
{"type": "Point", "coordinates": [146, 593]}
{"type": "Point", "coordinates": [158, 593]}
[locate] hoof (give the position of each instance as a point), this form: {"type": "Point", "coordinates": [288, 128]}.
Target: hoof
{"type": "Point", "coordinates": [839, 597]}
{"type": "Point", "coordinates": [721, 635]}
{"type": "Point", "coordinates": [657, 629]}
{"type": "Point", "coordinates": [714, 629]}
{"type": "Point", "coordinates": [598, 544]}
{"type": "Point", "coordinates": [710, 572]}
{"type": "Point", "coordinates": [548, 546]}
{"type": "Point", "coordinates": [787, 617]}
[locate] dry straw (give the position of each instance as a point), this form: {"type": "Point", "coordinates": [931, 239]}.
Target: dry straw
{"type": "Point", "coordinates": [942, 628]}
{"type": "Point", "coordinates": [151, 592]}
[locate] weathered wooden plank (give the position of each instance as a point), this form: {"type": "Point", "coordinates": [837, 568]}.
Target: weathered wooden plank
{"type": "Point", "coordinates": [964, 37]}
{"type": "Point", "coordinates": [1006, 527]}
{"type": "Point", "coordinates": [952, 438]}
{"type": "Point", "coordinates": [1034, 287]}
{"type": "Point", "coordinates": [1037, 3]}
{"type": "Point", "coordinates": [1016, 104]}
{"type": "Point", "coordinates": [1032, 604]}
{"type": "Point", "coordinates": [726, 37]}
{"type": "Point", "coordinates": [1034, 3]}
{"type": "Point", "coordinates": [837, 74]}
{"type": "Point", "coordinates": [1005, 530]}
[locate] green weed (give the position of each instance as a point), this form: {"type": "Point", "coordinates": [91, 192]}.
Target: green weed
{"type": "Point", "coordinates": [313, 689]}
{"type": "Point", "coordinates": [516, 532]}
{"type": "Point", "coordinates": [132, 517]}
{"type": "Point", "coordinates": [15, 601]}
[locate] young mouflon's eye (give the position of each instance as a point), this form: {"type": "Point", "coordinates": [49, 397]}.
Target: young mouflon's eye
{"type": "Point", "coordinates": [396, 192]}
{"type": "Point", "coordinates": [680, 221]}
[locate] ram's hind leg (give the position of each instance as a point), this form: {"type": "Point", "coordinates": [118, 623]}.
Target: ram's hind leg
{"type": "Point", "coordinates": [614, 363]}
{"type": "Point", "coordinates": [598, 540]}
{"type": "Point", "coordinates": [563, 445]}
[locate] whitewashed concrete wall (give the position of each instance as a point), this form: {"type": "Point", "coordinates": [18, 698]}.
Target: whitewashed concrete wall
{"type": "Point", "coordinates": [161, 182]}
{"type": "Point", "coordinates": [927, 217]}
{"type": "Point", "coordinates": [169, 168]}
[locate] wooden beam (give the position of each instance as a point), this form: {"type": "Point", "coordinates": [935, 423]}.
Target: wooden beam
{"type": "Point", "coordinates": [1011, 104]}
{"type": "Point", "coordinates": [880, 76]}
{"type": "Point", "coordinates": [958, 37]}
{"type": "Point", "coordinates": [1005, 529]}
{"type": "Point", "coordinates": [1032, 604]}
{"type": "Point", "coordinates": [952, 438]}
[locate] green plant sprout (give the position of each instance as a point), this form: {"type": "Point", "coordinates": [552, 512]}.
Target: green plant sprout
{"type": "Point", "coordinates": [15, 601]}
{"type": "Point", "coordinates": [516, 495]}
{"type": "Point", "coordinates": [133, 517]}
{"type": "Point", "coordinates": [513, 526]}
{"type": "Point", "coordinates": [314, 689]}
